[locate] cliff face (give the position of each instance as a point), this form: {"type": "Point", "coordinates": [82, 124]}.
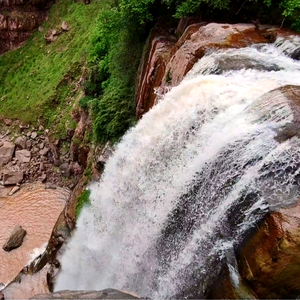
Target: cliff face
{"type": "Point", "coordinates": [18, 20]}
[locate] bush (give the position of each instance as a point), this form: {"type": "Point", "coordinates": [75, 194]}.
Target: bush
{"type": "Point", "coordinates": [82, 200]}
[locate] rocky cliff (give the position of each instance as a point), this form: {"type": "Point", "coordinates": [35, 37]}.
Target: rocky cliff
{"type": "Point", "coordinates": [18, 20]}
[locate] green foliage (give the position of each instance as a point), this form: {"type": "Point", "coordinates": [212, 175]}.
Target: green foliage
{"type": "Point", "coordinates": [37, 81]}
{"type": "Point", "coordinates": [113, 62]}
{"type": "Point", "coordinates": [82, 200]}
{"type": "Point", "coordinates": [84, 101]}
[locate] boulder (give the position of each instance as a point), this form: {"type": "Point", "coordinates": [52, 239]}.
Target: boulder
{"type": "Point", "coordinates": [269, 260]}
{"type": "Point", "coordinates": [16, 239]}
{"type": "Point", "coordinates": [6, 153]}
{"type": "Point", "coordinates": [23, 156]}
{"type": "Point", "coordinates": [20, 142]}
{"type": "Point", "coordinates": [12, 177]}
{"type": "Point", "coordinates": [104, 294]}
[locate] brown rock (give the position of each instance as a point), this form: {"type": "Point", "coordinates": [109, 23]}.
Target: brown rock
{"type": "Point", "coordinates": [12, 177]}
{"type": "Point", "coordinates": [16, 238]}
{"type": "Point", "coordinates": [23, 156]}
{"type": "Point", "coordinates": [6, 153]}
{"type": "Point", "coordinates": [20, 142]}
{"type": "Point", "coordinates": [166, 64]}
{"type": "Point", "coordinates": [269, 261]}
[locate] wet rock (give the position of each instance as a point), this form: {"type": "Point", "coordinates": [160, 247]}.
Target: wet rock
{"type": "Point", "coordinates": [269, 260]}
{"type": "Point", "coordinates": [1, 296]}
{"type": "Point", "coordinates": [14, 190]}
{"type": "Point", "coordinates": [166, 64]}
{"type": "Point", "coordinates": [6, 153]}
{"type": "Point", "coordinates": [23, 156]}
{"type": "Point", "coordinates": [12, 177]}
{"type": "Point", "coordinates": [20, 142]}
{"type": "Point", "coordinates": [105, 294]}
{"type": "Point", "coordinates": [16, 239]}
{"type": "Point", "coordinates": [104, 156]}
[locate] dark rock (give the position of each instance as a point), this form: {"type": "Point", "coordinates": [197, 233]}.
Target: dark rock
{"type": "Point", "coordinates": [65, 170]}
{"type": "Point", "coordinates": [105, 294]}
{"type": "Point", "coordinates": [16, 239]}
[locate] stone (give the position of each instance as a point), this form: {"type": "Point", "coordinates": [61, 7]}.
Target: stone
{"type": "Point", "coordinates": [104, 156]}
{"type": "Point", "coordinates": [33, 135]}
{"type": "Point", "coordinates": [12, 177]}
{"type": "Point", "coordinates": [104, 294]}
{"type": "Point", "coordinates": [23, 156]}
{"type": "Point", "coordinates": [28, 144]}
{"type": "Point", "coordinates": [43, 177]}
{"type": "Point", "coordinates": [65, 170]}
{"type": "Point", "coordinates": [20, 142]}
{"type": "Point", "coordinates": [14, 190]}
{"type": "Point", "coordinates": [6, 153]}
{"type": "Point", "coordinates": [269, 259]}
{"type": "Point", "coordinates": [15, 239]}
{"type": "Point", "coordinates": [44, 151]}
{"type": "Point", "coordinates": [1, 296]}
{"type": "Point", "coordinates": [65, 26]}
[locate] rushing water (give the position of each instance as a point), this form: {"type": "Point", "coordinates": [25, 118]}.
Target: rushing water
{"type": "Point", "coordinates": [36, 209]}
{"type": "Point", "coordinates": [185, 185]}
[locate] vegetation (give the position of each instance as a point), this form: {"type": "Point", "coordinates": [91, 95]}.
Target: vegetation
{"type": "Point", "coordinates": [82, 200]}
{"type": "Point", "coordinates": [38, 81]}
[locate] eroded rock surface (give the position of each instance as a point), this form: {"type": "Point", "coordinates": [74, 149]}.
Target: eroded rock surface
{"type": "Point", "coordinates": [18, 20]}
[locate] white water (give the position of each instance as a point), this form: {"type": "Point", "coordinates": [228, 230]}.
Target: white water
{"type": "Point", "coordinates": [188, 181]}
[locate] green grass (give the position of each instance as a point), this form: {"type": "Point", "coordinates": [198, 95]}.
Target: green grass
{"type": "Point", "coordinates": [37, 81]}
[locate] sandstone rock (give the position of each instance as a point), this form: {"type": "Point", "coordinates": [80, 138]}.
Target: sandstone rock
{"type": "Point", "coordinates": [12, 177]}
{"type": "Point", "coordinates": [23, 156]}
{"type": "Point", "coordinates": [65, 26]}
{"type": "Point", "coordinates": [166, 64]}
{"type": "Point", "coordinates": [105, 294]}
{"type": "Point", "coordinates": [6, 153]}
{"type": "Point", "coordinates": [269, 261]}
{"type": "Point", "coordinates": [16, 238]}
{"type": "Point", "coordinates": [20, 142]}
{"type": "Point", "coordinates": [14, 190]}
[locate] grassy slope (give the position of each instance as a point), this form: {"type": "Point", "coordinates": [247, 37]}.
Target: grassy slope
{"type": "Point", "coordinates": [37, 81]}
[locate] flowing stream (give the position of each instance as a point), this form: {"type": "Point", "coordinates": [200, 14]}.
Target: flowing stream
{"type": "Point", "coordinates": [187, 183]}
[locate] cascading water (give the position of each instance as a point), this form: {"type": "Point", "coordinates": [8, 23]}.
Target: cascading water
{"type": "Point", "coordinates": [186, 184]}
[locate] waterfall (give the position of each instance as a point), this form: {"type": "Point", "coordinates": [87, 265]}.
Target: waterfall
{"type": "Point", "coordinates": [186, 184]}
